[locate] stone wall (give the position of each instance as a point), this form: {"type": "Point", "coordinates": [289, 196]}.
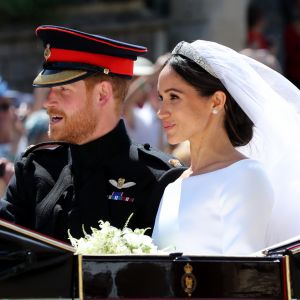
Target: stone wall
{"type": "Point", "coordinates": [221, 21]}
{"type": "Point", "coordinates": [19, 58]}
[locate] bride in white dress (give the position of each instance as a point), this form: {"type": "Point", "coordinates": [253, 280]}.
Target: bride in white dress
{"type": "Point", "coordinates": [231, 199]}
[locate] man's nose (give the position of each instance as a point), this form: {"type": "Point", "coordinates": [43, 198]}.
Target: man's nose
{"type": "Point", "coordinates": [50, 99]}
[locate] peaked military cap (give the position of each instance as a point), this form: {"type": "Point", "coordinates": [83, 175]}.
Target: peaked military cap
{"type": "Point", "coordinates": [72, 55]}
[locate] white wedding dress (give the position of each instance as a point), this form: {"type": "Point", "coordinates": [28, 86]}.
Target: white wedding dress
{"type": "Point", "coordinates": [224, 212]}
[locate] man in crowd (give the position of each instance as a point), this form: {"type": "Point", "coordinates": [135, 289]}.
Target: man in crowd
{"type": "Point", "coordinates": [93, 171]}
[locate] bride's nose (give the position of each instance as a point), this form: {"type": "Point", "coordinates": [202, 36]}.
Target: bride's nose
{"type": "Point", "coordinates": [162, 112]}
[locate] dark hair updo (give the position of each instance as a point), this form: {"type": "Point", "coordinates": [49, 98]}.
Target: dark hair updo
{"type": "Point", "coordinates": [237, 124]}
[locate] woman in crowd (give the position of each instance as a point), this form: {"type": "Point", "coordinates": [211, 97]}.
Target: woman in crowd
{"type": "Point", "coordinates": [241, 192]}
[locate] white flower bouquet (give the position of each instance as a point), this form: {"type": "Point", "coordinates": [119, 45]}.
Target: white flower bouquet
{"type": "Point", "coordinates": [111, 240]}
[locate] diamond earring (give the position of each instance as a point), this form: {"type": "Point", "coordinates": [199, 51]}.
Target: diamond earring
{"type": "Point", "coordinates": [214, 111]}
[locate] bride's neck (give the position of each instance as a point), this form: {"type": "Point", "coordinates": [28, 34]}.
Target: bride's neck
{"type": "Point", "coordinates": [212, 154]}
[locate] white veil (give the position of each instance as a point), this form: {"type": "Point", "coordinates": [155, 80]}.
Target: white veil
{"type": "Point", "coordinates": [273, 104]}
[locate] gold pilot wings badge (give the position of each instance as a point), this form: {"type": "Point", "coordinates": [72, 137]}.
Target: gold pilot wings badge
{"type": "Point", "coordinates": [121, 184]}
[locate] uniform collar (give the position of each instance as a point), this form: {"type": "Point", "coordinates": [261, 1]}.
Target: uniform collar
{"type": "Point", "coordinates": [102, 149]}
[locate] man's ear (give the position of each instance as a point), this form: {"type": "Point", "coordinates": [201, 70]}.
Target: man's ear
{"type": "Point", "coordinates": [218, 101]}
{"type": "Point", "coordinates": [105, 92]}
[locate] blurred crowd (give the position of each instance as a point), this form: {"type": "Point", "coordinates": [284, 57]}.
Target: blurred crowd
{"type": "Point", "coordinates": [279, 51]}
{"type": "Point", "coordinates": [24, 122]}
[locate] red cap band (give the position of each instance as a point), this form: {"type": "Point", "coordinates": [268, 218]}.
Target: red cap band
{"type": "Point", "coordinates": [115, 64]}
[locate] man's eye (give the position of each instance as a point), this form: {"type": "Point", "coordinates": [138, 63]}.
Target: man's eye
{"type": "Point", "coordinates": [64, 88]}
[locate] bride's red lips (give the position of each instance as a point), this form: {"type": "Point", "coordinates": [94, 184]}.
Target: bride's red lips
{"type": "Point", "coordinates": [168, 126]}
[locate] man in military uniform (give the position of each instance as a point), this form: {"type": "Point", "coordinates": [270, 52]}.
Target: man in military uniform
{"type": "Point", "coordinates": [93, 171]}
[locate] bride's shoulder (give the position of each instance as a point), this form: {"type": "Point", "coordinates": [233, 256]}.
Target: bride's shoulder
{"type": "Point", "coordinates": [250, 173]}
{"type": "Point", "coordinates": [249, 167]}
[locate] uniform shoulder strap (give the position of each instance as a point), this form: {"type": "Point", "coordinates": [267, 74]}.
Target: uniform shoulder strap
{"type": "Point", "coordinates": [147, 152]}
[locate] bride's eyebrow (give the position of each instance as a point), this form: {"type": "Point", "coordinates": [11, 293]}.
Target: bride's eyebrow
{"type": "Point", "coordinates": [173, 90]}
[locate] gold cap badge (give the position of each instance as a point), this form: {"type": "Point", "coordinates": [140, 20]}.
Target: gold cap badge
{"type": "Point", "coordinates": [47, 52]}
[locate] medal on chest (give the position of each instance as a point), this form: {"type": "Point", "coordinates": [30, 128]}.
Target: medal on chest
{"type": "Point", "coordinates": [120, 195]}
